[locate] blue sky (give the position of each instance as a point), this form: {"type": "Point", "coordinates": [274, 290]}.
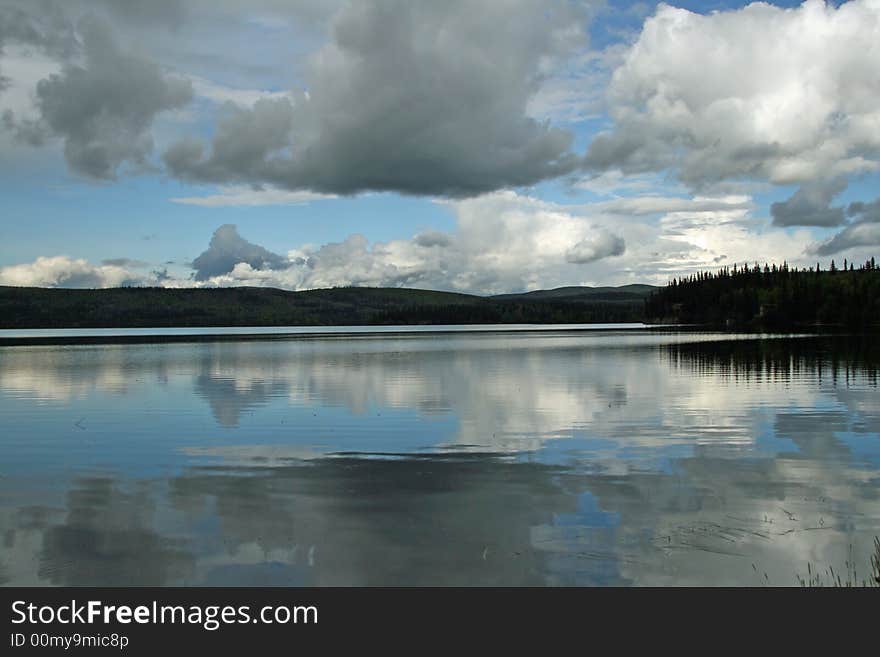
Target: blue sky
{"type": "Point", "coordinates": [479, 146]}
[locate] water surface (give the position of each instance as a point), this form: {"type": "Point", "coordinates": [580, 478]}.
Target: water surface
{"type": "Point", "coordinates": [484, 458]}
{"type": "Point", "coordinates": [11, 336]}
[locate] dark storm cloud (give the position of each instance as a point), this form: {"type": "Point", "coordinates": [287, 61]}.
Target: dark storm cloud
{"type": "Point", "coordinates": [227, 249]}
{"type": "Point", "coordinates": [103, 110]}
{"type": "Point", "coordinates": [415, 97]}
{"type": "Point", "coordinates": [864, 229]}
{"type": "Point", "coordinates": [811, 206]}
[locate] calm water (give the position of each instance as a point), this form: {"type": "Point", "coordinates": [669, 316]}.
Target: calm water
{"type": "Point", "coordinates": [281, 331]}
{"type": "Point", "coordinates": [559, 458]}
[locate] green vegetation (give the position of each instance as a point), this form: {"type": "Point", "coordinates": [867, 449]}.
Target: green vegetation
{"type": "Point", "coordinates": [137, 307]}
{"type": "Point", "coordinates": [773, 297]}
{"type": "Point", "coordinates": [751, 298]}
{"type": "Point", "coordinates": [576, 293]}
{"type": "Point", "coordinates": [849, 578]}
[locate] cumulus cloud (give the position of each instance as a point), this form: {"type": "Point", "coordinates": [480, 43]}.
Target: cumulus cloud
{"type": "Point", "coordinates": [865, 212]}
{"type": "Point", "coordinates": [415, 97]}
{"type": "Point", "coordinates": [432, 238]}
{"type": "Point", "coordinates": [502, 242]}
{"type": "Point", "coordinates": [28, 131]}
{"type": "Point", "coordinates": [228, 249]}
{"type": "Point", "coordinates": [811, 206]}
{"type": "Point", "coordinates": [602, 245]}
{"type": "Point", "coordinates": [509, 242]}
{"type": "Point", "coordinates": [851, 237]}
{"type": "Point", "coordinates": [458, 100]}
{"type": "Point", "coordinates": [104, 108]}
{"type": "Point", "coordinates": [784, 95]}
{"type": "Point", "coordinates": [62, 271]}
{"type": "Point", "coordinates": [862, 231]}
{"type": "Point", "coordinates": [353, 261]}
{"type": "Point", "coordinates": [45, 26]}
{"type": "Point", "coordinates": [98, 98]}
{"type": "Point", "coordinates": [20, 27]}
{"type": "Point", "coordinates": [720, 233]}
{"type": "Point", "coordinates": [245, 142]}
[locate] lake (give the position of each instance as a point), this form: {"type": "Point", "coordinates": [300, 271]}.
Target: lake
{"type": "Point", "coordinates": [553, 457]}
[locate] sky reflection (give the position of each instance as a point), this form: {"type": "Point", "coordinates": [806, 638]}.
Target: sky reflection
{"type": "Point", "coordinates": [607, 459]}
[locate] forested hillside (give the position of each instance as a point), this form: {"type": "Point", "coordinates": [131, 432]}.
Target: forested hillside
{"type": "Point", "coordinates": [241, 306]}
{"type": "Point", "coordinates": [755, 297]}
{"type": "Point", "coordinates": [772, 296]}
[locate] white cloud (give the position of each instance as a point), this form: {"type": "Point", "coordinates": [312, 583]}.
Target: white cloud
{"type": "Point", "coordinates": [22, 67]}
{"type": "Point", "coordinates": [601, 245]}
{"type": "Point", "coordinates": [859, 237]}
{"type": "Point", "coordinates": [856, 236]}
{"type": "Point", "coordinates": [102, 102]}
{"type": "Point", "coordinates": [505, 242]}
{"type": "Point", "coordinates": [614, 181]}
{"type": "Point", "coordinates": [20, 129]}
{"type": "Point", "coordinates": [573, 91]}
{"type": "Point", "coordinates": [219, 93]}
{"type": "Point", "coordinates": [785, 95]}
{"type": "Point", "coordinates": [639, 205]}
{"type": "Point", "coordinates": [62, 271]}
{"type": "Point", "coordinates": [502, 242]}
{"type": "Point", "coordinates": [521, 242]}
{"type": "Point", "coordinates": [242, 195]}
{"type": "Point", "coordinates": [694, 235]}
{"type": "Point", "coordinates": [726, 237]}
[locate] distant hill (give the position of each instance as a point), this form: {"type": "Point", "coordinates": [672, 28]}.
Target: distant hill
{"type": "Point", "coordinates": [756, 298]}
{"type": "Point", "coordinates": [134, 307]}
{"type": "Point", "coordinates": [585, 294]}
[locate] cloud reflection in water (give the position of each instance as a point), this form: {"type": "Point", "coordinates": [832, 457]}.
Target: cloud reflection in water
{"type": "Point", "coordinates": [493, 459]}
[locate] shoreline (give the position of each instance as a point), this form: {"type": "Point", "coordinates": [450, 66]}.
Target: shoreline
{"type": "Point", "coordinates": [138, 335]}
{"type": "Point", "coordinates": [166, 335]}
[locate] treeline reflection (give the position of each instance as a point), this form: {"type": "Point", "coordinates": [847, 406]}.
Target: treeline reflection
{"type": "Point", "coordinates": [837, 358]}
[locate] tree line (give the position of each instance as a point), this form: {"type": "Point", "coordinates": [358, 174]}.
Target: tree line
{"type": "Point", "coordinates": [742, 297]}
{"type": "Point", "coordinates": [144, 307]}
{"type": "Point", "coordinates": [773, 296]}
